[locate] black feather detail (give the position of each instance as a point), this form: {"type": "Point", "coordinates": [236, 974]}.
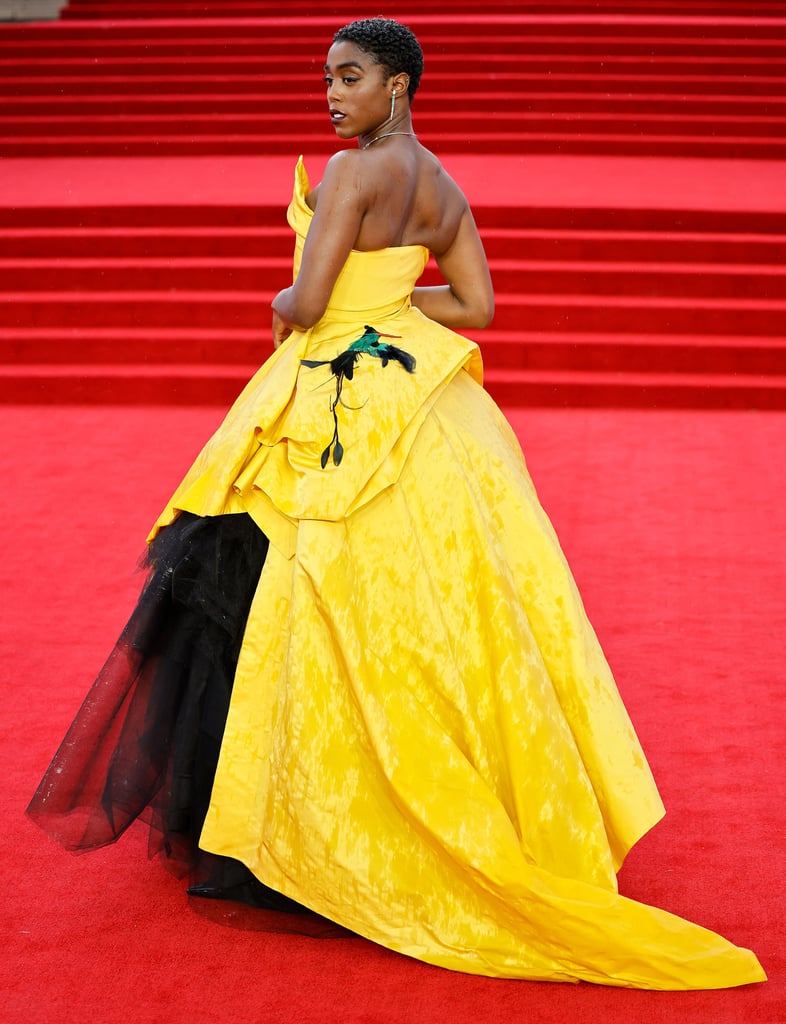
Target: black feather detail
{"type": "Point", "coordinates": [388, 352]}
{"type": "Point", "coordinates": [344, 364]}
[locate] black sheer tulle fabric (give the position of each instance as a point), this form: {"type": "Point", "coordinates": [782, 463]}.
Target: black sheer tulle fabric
{"type": "Point", "coordinates": [145, 743]}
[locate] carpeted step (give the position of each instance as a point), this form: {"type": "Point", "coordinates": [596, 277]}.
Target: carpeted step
{"type": "Point", "coordinates": [452, 33]}
{"type": "Point", "coordinates": [148, 309]}
{"type": "Point", "coordinates": [510, 216]}
{"type": "Point", "coordinates": [140, 274]}
{"type": "Point", "coordinates": [547, 277]}
{"type": "Point", "coordinates": [68, 109]}
{"type": "Point", "coordinates": [503, 351]}
{"type": "Point", "coordinates": [397, 9]}
{"type": "Point", "coordinates": [623, 82]}
{"type": "Point", "coordinates": [505, 126]}
{"type": "Point", "coordinates": [137, 243]}
{"type": "Point", "coordinates": [84, 345]}
{"type": "Point", "coordinates": [747, 251]}
{"type": "Point", "coordinates": [646, 278]}
{"type": "Point", "coordinates": [641, 314]}
{"type": "Point", "coordinates": [743, 147]}
{"type": "Point", "coordinates": [701, 73]}
{"type": "Point", "coordinates": [631, 391]}
{"type": "Point", "coordinates": [219, 384]}
{"type": "Point", "coordinates": [515, 311]}
{"type": "Point", "coordinates": [146, 384]}
{"type": "Point", "coordinates": [156, 217]}
{"type": "Point", "coordinates": [116, 53]}
{"type": "Point", "coordinates": [665, 246]}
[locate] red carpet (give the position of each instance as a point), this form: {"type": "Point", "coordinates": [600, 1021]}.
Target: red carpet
{"type": "Point", "coordinates": [627, 162]}
{"type": "Point", "coordinates": [673, 523]}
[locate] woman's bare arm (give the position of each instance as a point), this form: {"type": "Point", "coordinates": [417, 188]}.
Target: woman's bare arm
{"type": "Point", "coordinates": [334, 228]}
{"type": "Point", "coordinates": [467, 300]}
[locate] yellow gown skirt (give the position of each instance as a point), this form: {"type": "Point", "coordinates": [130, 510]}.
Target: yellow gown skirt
{"type": "Point", "coordinates": [425, 743]}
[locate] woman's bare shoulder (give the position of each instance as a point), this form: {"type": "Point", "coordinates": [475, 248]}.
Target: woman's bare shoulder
{"type": "Point", "coordinates": [441, 202]}
{"type": "Point", "coordinates": [344, 174]}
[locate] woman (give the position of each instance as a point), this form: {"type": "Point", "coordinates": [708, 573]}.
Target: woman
{"type": "Point", "coordinates": [424, 742]}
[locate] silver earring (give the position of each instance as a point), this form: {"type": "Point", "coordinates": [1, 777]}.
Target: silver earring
{"type": "Point", "coordinates": [392, 105]}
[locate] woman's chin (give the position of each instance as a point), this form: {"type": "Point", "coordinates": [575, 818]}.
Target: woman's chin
{"type": "Point", "coordinates": [344, 134]}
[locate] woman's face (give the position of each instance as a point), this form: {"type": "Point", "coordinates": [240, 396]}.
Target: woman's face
{"type": "Point", "coordinates": [358, 100]}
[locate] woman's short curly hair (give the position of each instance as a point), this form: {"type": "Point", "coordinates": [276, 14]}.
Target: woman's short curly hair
{"type": "Point", "coordinates": [389, 43]}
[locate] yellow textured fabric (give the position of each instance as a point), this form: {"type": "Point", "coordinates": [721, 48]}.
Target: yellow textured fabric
{"type": "Point", "coordinates": [425, 743]}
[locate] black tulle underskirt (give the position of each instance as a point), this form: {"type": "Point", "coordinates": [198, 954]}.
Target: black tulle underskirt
{"type": "Point", "coordinates": [145, 744]}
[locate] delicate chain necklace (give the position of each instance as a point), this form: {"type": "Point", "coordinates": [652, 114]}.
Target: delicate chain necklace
{"type": "Point", "coordinates": [387, 135]}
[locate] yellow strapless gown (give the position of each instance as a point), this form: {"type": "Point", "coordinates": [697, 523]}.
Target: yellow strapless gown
{"type": "Point", "coordinates": [425, 743]}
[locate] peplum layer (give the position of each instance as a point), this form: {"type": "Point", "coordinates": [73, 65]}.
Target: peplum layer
{"type": "Point", "coordinates": [265, 459]}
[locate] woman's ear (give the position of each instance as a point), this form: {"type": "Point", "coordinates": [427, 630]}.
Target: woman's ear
{"type": "Point", "coordinates": [399, 83]}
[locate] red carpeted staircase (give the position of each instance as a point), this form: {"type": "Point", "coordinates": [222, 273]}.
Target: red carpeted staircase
{"type": "Point", "coordinates": [631, 78]}
{"type": "Point", "coordinates": [654, 286]}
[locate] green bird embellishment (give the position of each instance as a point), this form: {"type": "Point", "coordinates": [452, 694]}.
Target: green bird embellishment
{"type": "Point", "coordinates": [343, 368]}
